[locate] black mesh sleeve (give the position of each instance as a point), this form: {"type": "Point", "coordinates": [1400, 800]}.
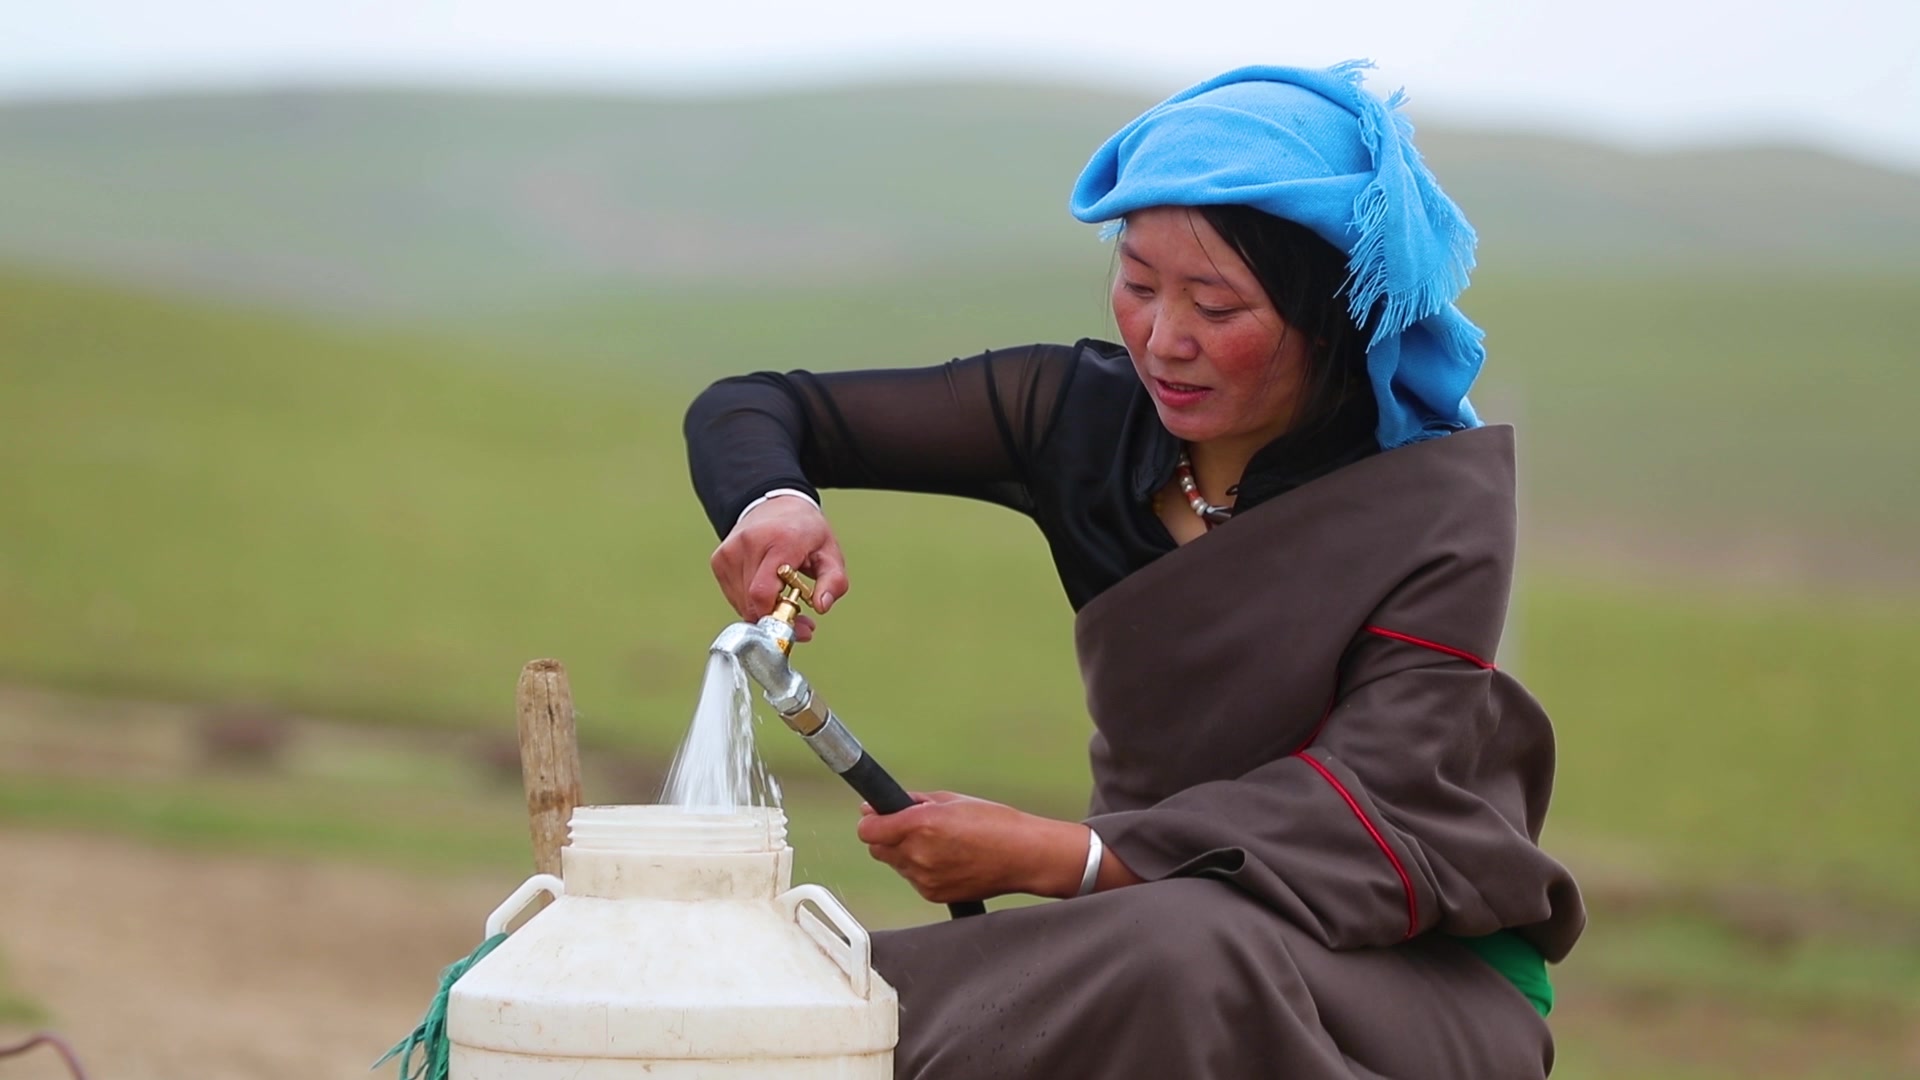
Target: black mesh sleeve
{"type": "Point", "coordinates": [968, 427]}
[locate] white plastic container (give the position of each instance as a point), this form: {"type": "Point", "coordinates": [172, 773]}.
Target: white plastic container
{"type": "Point", "coordinates": [676, 949]}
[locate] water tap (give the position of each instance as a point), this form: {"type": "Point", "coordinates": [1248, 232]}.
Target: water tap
{"type": "Point", "coordinates": [762, 649]}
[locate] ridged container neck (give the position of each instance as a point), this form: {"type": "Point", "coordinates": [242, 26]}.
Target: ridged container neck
{"type": "Point", "coordinates": [677, 830]}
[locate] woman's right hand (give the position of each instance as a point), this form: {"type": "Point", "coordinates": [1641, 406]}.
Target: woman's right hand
{"type": "Point", "coordinates": [783, 531]}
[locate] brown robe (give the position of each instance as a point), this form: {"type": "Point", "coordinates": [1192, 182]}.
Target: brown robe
{"type": "Point", "coordinates": [1304, 747]}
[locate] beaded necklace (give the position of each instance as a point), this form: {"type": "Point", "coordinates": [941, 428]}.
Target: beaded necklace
{"type": "Point", "coordinates": [1209, 513]}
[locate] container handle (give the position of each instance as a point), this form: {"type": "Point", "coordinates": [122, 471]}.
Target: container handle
{"type": "Point", "coordinates": [854, 954]}
{"type": "Point", "coordinates": [522, 896]}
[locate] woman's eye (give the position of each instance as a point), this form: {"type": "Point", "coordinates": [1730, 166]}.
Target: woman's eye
{"type": "Point", "coordinates": [1134, 288]}
{"type": "Point", "coordinates": [1217, 313]}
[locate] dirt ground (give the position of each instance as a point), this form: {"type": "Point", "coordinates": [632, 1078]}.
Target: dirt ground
{"type": "Point", "coordinates": [162, 962]}
{"type": "Point", "coordinates": [170, 965]}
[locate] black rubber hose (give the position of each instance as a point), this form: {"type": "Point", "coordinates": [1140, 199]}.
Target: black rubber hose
{"type": "Point", "coordinates": [886, 796]}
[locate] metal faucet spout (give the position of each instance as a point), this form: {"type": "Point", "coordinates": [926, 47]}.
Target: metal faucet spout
{"type": "Point", "coordinates": [758, 649]}
{"type": "Point", "coordinates": [761, 651]}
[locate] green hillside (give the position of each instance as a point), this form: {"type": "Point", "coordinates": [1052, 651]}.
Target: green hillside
{"type": "Point", "coordinates": [213, 506]}
{"type": "Point", "coordinates": [451, 204]}
{"type": "Point", "coordinates": [420, 202]}
{"type": "Point", "coordinates": [1546, 201]}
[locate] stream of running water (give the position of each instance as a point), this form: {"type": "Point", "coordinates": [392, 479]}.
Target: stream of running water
{"type": "Point", "coordinates": [718, 766]}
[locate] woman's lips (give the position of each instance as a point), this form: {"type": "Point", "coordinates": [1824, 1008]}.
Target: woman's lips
{"type": "Point", "coordinates": [1178, 395]}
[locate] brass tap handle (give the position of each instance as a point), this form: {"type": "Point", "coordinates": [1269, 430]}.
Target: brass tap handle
{"type": "Point", "coordinates": [797, 589]}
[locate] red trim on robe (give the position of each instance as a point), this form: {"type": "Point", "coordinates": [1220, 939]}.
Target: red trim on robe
{"type": "Point", "coordinates": [1458, 654]}
{"type": "Point", "coordinates": [1413, 903]}
{"type": "Point", "coordinates": [1406, 881]}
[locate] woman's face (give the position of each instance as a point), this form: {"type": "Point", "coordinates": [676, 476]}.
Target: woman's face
{"type": "Point", "coordinates": [1218, 360]}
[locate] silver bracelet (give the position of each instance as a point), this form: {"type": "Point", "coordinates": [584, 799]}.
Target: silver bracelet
{"type": "Point", "coordinates": [1096, 851]}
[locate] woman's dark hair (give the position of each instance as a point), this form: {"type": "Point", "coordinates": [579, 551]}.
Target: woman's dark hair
{"type": "Point", "coordinates": [1305, 279]}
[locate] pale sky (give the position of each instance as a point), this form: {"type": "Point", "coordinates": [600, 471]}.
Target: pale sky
{"type": "Point", "coordinates": [1842, 74]}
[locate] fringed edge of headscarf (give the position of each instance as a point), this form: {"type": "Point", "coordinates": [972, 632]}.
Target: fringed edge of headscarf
{"type": "Point", "coordinates": [1370, 297]}
{"type": "Point", "coordinates": [1457, 336]}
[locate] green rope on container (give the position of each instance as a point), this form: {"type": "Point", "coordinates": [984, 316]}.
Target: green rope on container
{"type": "Point", "coordinates": [430, 1038]}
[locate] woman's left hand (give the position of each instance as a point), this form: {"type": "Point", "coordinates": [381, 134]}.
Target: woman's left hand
{"type": "Point", "coordinates": [954, 847]}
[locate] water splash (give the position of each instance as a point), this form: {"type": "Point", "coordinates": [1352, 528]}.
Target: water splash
{"type": "Point", "coordinates": [718, 765]}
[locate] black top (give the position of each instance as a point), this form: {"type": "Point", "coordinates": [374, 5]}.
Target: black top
{"type": "Point", "coordinates": [1064, 434]}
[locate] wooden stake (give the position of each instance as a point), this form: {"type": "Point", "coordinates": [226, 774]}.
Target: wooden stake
{"type": "Point", "coordinates": [549, 758]}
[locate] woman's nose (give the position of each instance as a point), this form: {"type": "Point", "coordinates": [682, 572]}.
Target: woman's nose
{"type": "Point", "coordinates": [1170, 338]}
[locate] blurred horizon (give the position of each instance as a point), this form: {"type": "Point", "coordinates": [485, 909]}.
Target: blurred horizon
{"type": "Point", "coordinates": [1844, 77]}
{"type": "Point", "coordinates": [1729, 134]}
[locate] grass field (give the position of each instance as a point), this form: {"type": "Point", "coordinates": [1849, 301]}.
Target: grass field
{"type": "Point", "coordinates": [206, 506]}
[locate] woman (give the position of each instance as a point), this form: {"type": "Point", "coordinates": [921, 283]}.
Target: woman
{"type": "Point", "coordinates": [1289, 544]}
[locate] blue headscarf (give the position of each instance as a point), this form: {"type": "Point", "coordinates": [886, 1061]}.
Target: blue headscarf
{"type": "Point", "coordinates": [1316, 148]}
